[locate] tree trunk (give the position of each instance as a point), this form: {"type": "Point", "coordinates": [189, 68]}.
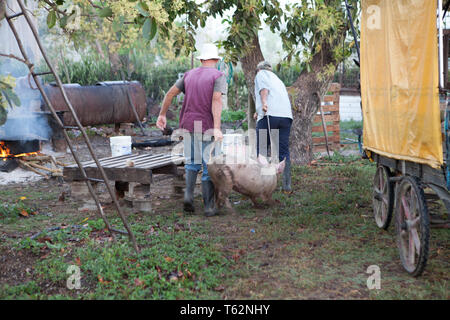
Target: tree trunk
{"type": "Point", "coordinates": [249, 63]}
{"type": "Point", "coordinates": [2, 9]}
{"type": "Point", "coordinates": [308, 96]}
{"type": "Point", "coordinates": [309, 90]}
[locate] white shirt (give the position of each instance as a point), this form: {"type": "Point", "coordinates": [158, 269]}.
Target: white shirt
{"type": "Point", "coordinates": [278, 102]}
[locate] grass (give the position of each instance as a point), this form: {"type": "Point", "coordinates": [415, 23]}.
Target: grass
{"type": "Point", "coordinates": [346, 127]}
{"type": "Point", "coordinates": [314, 244]}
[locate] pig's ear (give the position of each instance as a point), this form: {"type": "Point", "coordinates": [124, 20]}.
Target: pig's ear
{"type": "Point", "coordinates": [280, 166]}
{"type": "Point", "coordinates": [263, 161]}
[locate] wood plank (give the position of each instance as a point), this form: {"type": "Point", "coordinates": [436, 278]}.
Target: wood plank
{"type": "Point", "coordinates": [104, 159]}
{"type": "Point", "coordinates": [328, 98]}
{"type": "Point", "coordinates": [153, 163]}
{"type": "Point", "coordinates": [318, 140]}
{"type": "Point", "coordinates": [119, 162]}
{"type": "Point", "coordinates": [328, 118]}
{"type": "Point", "coordinates": [161, 163]}
{"type": "Point", "coordinates": [332, 117]}
{"type": "Point", "coordinates": [114, 174]}
{"type": "Point", "coordinates": [117, 170]}
{"type": "Point", "coordinates": [335, 87]}
{"type": "Point", "coordinates": [330, 108]}
{"type": "Point", "coordinates": [114, 161]}
{"type": "Point", "coordinates": [143, 160]}
{"type": "Point", "coordinates": [332, 128]}
{"type": "Point", "coordinates": [172, 169]}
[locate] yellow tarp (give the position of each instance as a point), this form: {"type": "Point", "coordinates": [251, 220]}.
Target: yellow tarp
{"type": "Point", "coordinates": [400, 80]}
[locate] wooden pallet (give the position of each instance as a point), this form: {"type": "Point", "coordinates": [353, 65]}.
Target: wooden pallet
{"type": "Point", "coordinates": [330, 106]}
{"type": "Point", "coordinates": [138, 168]}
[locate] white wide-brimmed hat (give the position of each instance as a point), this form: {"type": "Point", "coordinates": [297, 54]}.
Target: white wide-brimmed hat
{"type": "Point", "coordinates": [209, 51]}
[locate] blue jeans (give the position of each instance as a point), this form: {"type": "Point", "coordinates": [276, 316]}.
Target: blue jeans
{"type": "Point", "coordinates": [197, 150]}
{"type": "Point", "coordinates": [283, 125]}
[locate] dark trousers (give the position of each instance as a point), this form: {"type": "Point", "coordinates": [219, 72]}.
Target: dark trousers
{"type": "Point", "coordinates": [283, 125]}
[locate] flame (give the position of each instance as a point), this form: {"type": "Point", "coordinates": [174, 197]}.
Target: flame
{"type": "Point", "coordinates": [5, 153]}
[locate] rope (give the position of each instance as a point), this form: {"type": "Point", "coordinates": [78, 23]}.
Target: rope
{"type": "Point", "coordinates": [223, 66]}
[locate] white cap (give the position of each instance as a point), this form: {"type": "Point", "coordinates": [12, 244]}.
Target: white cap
{"type": "Point", "coordinates": [209, 51]}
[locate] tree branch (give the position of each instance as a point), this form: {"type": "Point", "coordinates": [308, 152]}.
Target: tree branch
{"type": "Point", "coordinates": [54, 6]}
{"type": "Point", "coordinates": [11, 56]}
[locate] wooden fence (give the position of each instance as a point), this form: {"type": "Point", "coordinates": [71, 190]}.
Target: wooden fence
{"type": "Point", "coordinates": [330, 107]}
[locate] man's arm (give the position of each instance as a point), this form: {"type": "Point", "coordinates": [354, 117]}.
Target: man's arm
{"type": "Point", "coordinates": [264, 93]}
{"type": "Point", "coordinates": [217, 114]}
{"type": "Point", "coordinates": [172, 93]}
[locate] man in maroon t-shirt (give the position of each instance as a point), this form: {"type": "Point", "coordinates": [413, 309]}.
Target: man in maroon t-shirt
{"type": "Point", "coordinates": [201, 117]}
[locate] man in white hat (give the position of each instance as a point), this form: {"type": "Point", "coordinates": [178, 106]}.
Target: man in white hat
{"type": "Point", "coordinates": [201, 114]}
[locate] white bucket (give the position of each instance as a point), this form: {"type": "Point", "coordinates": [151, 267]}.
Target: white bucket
{"type": "Point", "coordinates": [233, 146]}
{"type": "Point", "coordinates": [120, 145]}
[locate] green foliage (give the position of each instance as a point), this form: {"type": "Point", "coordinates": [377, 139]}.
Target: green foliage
{"type": "Point", "coordinates": [232, 116]}
{"type": "Point", "coordinates": [7, 96]}
{"type": "Point", "coordinates": [156, 79]}
{"type": "Point", "coordinates": [238, 92]}
{"type": "Point", "coordinates": [350, 79]}
{"type": "Point", "coordinates": [315, 26]}
{"type": "Point", "coordinates": [149, 28]}
{"type": "Point", "coordinates": [11, 212]}
{"type": "Point", "coordinates": [351, 124]}
{"type": "Point", "coordinates": [243, 27]}
{"type": "Point", "coordinates": [174, 262]}
{"type": "Point", "coordinates": [316, 243]}
{"type": "Point", "coordinates": [125, 19]}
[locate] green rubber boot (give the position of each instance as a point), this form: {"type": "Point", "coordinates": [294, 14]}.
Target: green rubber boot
{"type": "Point", "coordinates": [191, 179]}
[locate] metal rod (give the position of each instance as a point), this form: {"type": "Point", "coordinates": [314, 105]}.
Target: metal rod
{"type": "Point", "coordinates": [41, 73]}
{"type": "Point", "coordinates": [47, 101]}
{"type": "Point", "coordinates": [14, 15]}
{"type": "Point", "coordinates": [324, 125]}
{"type": "Point", "coordinates": [86, 138]}
{"type": "Point", "coordinates": [353, 30]}
{"type": "Point", "coordinates": [441, 46]}
{"type": "Point", "coordinates": [130, 101]}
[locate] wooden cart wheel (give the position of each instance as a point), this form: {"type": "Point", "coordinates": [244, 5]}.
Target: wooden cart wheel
{"type": "Point", "coordinates": [412, 225]}
{"type": "Point", "coordinates": [383, 197]}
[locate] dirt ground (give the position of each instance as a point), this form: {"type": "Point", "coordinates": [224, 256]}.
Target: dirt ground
{"type": "Point", "coordinates": [314, 244]}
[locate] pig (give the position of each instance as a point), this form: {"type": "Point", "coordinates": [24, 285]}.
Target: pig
{"type": "Point", "coordinates": [254, 179]}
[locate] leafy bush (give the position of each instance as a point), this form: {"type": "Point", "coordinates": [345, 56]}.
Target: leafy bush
{"type": "Point", "coordinates": [156, 79]}
{"type": "Point", "coordinates": [10, 212]}
{"type": "Point", "coordinates": [232, 116]}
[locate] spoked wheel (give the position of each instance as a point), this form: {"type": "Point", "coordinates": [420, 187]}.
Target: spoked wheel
{"type": "Point", "coordinates": [413, 226]}
{"type": "Point", "coordinates": [383, 197]}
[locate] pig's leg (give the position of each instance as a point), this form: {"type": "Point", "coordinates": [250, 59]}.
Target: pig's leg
{"type": "Point", "coordinates": [229, 206]}
{"type": "Point", "coordinates": [219, 199]}
{"type": "Point", "coordinates": [256, 205]}
{"type": "Point", "coordinates": [267, 199]}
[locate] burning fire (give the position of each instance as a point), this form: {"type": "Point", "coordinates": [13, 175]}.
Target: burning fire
{"type": "Point", "coordinates": [5, 153]}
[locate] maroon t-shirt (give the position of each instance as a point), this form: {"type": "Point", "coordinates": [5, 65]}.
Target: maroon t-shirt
{"type": "Point", "coordinates": [197, 104]}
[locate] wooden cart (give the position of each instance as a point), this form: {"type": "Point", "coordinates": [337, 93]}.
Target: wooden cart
{"type": "Point", "coordinates": [404, 91]}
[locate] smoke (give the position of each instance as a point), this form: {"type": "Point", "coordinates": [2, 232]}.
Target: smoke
{"type": "Point", "coordinates": [26, 122]}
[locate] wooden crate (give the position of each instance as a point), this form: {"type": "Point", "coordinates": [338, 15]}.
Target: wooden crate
{"type": "Point", "coordinates": [330, 106]}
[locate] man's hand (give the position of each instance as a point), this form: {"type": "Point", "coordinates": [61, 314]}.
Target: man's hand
{"type": "Point", "coordinates": [218, 136]}
{"type": "Point", "coordinates": [265, 107]}
{"type": "Point", "coordinates": [255, 116]}
{"type": "Point", "coordinates": [161, 122]}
